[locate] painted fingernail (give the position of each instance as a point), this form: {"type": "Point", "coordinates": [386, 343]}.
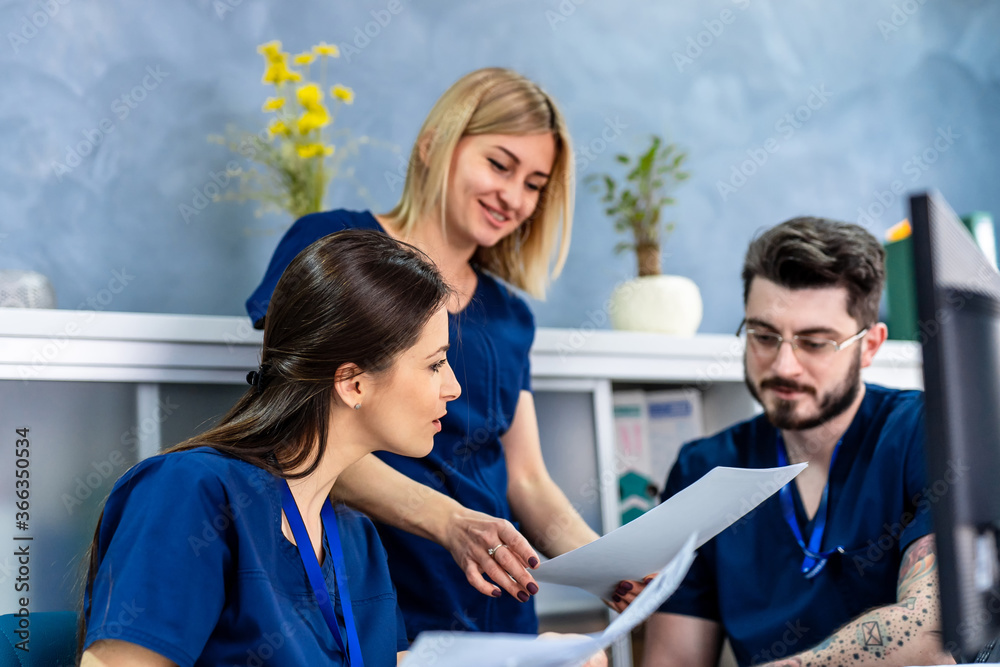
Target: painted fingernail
{"type": "Point", "coordinates": [616, 598]}
{"type": "Point", "coordinates": [532, 588]}
{"type": "Point", "coordinates": [624, 587]}
{"type": "Point", "coordinates": [522, 596]}
{"type": "Point", "coordinates": [532, 562]}
{"type": "Point", "coordinates": [496, 593]}
{"type": "Point", "coordinates": [647, 580]}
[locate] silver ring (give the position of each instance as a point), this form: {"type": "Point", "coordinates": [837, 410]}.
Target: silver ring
{"type": "Point", "coordinates": [493, 551]}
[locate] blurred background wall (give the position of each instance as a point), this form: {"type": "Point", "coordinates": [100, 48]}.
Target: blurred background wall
{"type": "Point", "coordinates": [107, 106]}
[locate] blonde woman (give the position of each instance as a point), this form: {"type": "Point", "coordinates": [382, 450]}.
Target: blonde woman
{"type": "Point", "coordinates": [489, 197]}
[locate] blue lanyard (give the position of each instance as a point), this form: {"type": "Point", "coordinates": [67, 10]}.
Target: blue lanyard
{"type": "Point", "coordinates": [814, 560]}
{"type": "Point", "coordinates": [316, 575]}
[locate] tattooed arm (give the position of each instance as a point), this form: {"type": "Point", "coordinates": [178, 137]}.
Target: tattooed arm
{"type": "Point", "coordinates": [905, 633]}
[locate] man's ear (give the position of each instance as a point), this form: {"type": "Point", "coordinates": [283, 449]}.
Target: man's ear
{"type": "Point", "coordinates": [872, 342]}
{"type": "Point", "coordinates": [351, 386]}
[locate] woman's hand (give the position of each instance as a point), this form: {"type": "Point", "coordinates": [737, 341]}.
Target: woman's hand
{"type": "Point", "coordinates": [599, 659]}
{"type": "Point", "coordinates": [627, 591]}
{"type": "Point", "coordinates": [471, 535]}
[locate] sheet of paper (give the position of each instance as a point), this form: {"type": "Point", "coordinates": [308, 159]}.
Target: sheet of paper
{"type": "Point", "coordinates": [461, 649]}
{"type": "Point", "coordinates": [637, 549]}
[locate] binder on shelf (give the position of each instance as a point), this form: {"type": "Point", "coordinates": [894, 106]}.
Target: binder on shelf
{"type": "Point", "coordinates": [674, 419]}
{"type": "Point", "coordinates": [901, 299]}
{"type": "Point", "coordinates": [650, 428]}
{"type": "Point", "coordinates": [632, 457]}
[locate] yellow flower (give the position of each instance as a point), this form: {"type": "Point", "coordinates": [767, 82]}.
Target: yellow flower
{"type": "Point", "coordinates": [325, 49]}
{"type": "Point", "coordinates": [304, 58]}
{"type": "Point", "coordinates": [274, 103]}
{"type": "Point", "coordinates": [271, 50]}
{"type": "Point", "coordinates": [310, 150]}
{"type": "Point", "coordinates": [343, 93]}
{"type": "Point", "coordinates": [310, 96]}
{"type": "Point", "coordinates": [329, 150]}
{"type": "Point", "coordinates": [313, 120]}
{"type": "Point", "coordinates": [278, 73]}
{"type": "Point", "coordinates": [279, 127]}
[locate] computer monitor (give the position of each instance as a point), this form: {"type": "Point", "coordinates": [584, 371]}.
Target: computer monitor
{"type": "Point", "coordinates": [958, 306]}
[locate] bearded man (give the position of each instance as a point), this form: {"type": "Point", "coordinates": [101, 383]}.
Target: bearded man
{"type": "Point", "coordinates": [838, 568]}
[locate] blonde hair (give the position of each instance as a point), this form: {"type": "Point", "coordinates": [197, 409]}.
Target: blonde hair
{"type": "Point", "coordinates": [496, 101]}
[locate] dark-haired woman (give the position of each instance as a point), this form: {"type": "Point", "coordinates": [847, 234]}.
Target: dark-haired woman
{"type": "Point", "coordinates": [489, 197]}
{"type": "Point", "coordinates": [226, 549]}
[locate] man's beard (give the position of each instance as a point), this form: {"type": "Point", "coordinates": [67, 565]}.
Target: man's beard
{"type": "Point", "coordinates": [832, 406]}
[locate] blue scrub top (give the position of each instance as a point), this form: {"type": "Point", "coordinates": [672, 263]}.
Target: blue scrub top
{"type": "Point", "coordinates": [748, 578]}
{"type": "Point", "coordinates": [490, 342]}
{"type": "Point", "coordinates": [192, 564]}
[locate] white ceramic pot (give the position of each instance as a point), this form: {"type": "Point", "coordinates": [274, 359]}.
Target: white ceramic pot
{"type": "Point", "coordinates": [661, 304]}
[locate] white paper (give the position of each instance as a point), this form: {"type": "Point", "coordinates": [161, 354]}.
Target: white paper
{"type": "Point", "coordinates": [461, 649]}
{"type": "Point", "coordinates": [637, 549]}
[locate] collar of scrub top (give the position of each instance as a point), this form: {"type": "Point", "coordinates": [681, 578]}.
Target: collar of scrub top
{"type": "Point", "coordinates": [814, 560]}
{"type": "Point", "coordinates": [315, 574]}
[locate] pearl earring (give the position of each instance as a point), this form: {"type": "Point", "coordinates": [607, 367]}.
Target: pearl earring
{"type": "Point", "coordinates": [357, 406]}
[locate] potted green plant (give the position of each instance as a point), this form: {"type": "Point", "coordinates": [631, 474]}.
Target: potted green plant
{"type": "Point", "coordinates": [651, 302]}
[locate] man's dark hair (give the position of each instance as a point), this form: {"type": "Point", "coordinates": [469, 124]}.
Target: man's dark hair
{"type": "Point", "coordinates": [814, 252]}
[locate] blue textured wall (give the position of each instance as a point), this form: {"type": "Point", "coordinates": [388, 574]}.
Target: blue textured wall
{"type": "Point", "coordinates": [885, 80]}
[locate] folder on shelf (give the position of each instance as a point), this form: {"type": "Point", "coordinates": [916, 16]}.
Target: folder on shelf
{"type": "Point", "coordinates": [650, 427]}
{"type": "Point", "coordinates": [901, 301]}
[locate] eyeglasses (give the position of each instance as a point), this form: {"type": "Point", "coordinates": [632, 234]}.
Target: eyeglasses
{"type": "Point", "coordinates": [767, 343]}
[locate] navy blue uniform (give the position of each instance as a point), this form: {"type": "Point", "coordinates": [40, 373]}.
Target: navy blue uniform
{"type": "Point", "coordinates": [749, 579]}
{"type": "Point", "coordinates": [192, 564]}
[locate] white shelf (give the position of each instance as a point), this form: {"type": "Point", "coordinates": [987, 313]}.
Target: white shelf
{"type": "Point", "coordinates": [67, 345]}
